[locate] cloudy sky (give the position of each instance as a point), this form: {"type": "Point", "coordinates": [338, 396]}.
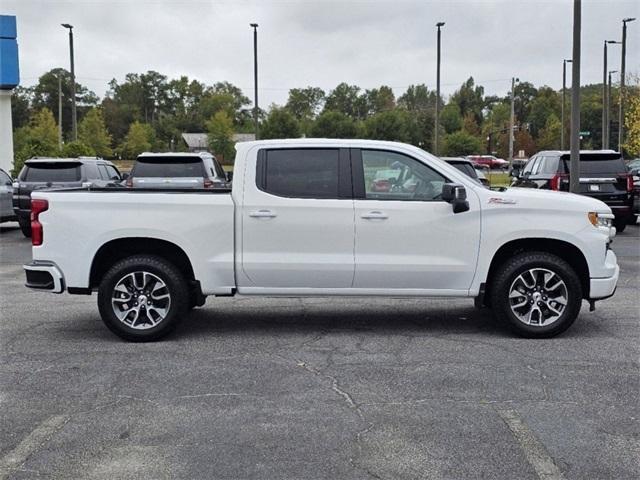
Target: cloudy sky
{"type": "Point", "coordinates": [321, 42]}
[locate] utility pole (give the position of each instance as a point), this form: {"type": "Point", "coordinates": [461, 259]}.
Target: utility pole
{"type": "Point", "coordinates": [564, 92]}
{"type": "Point", "coordinates": [512, 119]}
{"type": "Point", "coordinates": [437, 121]}
{"type": "Point", "coordinates": [574, 172]}
{"type": "Point", "coordinates": [622, 81]}
{"type": "Point", "coordinates": [608, 144]}
{"type": "Point", "coordinates": [60, 109]}
{"type": "Point", "coordinates": [74, 117]}
{"type": "Point", "coordinates": [605, 106]}
{"type": "Point", "coordinates": [255, 79]}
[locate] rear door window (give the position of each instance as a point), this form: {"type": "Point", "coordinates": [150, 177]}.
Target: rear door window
{"type": "Point", "coordinates": [465, 168]}
{"type": "Point", "coordinates": [153, 167]}
{"type": "Point", "coordinates": [52, 172]}
{"type": "Point", "coordinates": [112, 172]}
{"type": "Point", "coordinates": [598, 164]}
{"type": "Point", "coordinates": [300, 173]}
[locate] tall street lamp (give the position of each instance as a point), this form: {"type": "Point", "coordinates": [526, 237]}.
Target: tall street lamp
{"type": "Point", "coordinates": [255, 78]}
{"type": "Point", "coordinates": [512, 119]}
{"type": "Point", "coordinates": [607, 144]}
{"type": "Point", "coordinates": [605, 107]}
{"type": "Point", "coordinates": [622, 73]}
{"type": "Point", "coordinates": [564, 92]}
{"type": "Point", "coordinates": [437, 122]}
{"type": "Point", "coordinates": [74, 118]}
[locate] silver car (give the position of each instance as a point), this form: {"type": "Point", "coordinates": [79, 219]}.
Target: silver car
{"type": "Point", "coordinates": [6, 198]}
{"type": "Point", "coordinates": [177, 171]}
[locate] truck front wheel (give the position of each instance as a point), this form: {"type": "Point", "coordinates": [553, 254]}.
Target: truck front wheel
{"type": "Point", "coordinates": [142, 298]}
{"type": "Point", "coordinates": [537, 294]}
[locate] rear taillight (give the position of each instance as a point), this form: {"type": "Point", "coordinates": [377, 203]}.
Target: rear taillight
{"type": "Point", "coordinates": [629, 182]}
{"type": "Point", "coordinates": [208, 183]}
{"type": "Point", "coordinates": [37, 207]}
{"type": "Point", "coordinates": [556, 181]}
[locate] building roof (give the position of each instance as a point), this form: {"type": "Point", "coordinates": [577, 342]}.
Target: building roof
{"type": "Point", "coordinates": [199, 140]}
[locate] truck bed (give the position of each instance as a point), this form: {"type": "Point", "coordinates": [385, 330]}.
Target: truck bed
{"type": "Point", "coordinates": [79, 222]}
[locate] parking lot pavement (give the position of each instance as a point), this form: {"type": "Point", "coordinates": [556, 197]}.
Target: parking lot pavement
{"type": "Point", "coordinates": [318, 388]}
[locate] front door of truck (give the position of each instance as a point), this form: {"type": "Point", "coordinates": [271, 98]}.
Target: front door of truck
{"type": "Point", "coordinates": [407, 237]}
{"type": "Point", "coordinates": [297, 220]}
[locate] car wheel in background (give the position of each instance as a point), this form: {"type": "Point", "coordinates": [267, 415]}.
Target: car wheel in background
{"type": "Point", "coordinates": [620, 224]}
{"type": "Point", "coordinates": [143, 298]}
{"type": "Point", "coordinates": [537, 294]}
{"type": "Point", "coordinates": [25, 227]}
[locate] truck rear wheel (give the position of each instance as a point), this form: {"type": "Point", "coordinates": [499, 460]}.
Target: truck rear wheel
{"type": "Point", "coordinates": [537, 294]}
{"type": "Point", "coordinates": [142, 298]}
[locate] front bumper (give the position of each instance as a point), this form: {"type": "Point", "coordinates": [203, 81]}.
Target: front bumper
{"type": "Point", "coordinates": [600, 288]}
{"type": "Point", "coordinates": [44, 276]}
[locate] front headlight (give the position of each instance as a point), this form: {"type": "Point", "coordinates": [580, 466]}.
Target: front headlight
{"type": "Point", "coordinates": [600, 219]}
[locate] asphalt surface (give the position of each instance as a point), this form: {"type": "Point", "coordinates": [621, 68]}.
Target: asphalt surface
{"type": "Point", "coordinates": [319, 388]}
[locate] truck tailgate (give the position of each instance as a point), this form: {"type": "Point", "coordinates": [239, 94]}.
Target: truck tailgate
{"type": "Point", "coordinates": [78, 223]}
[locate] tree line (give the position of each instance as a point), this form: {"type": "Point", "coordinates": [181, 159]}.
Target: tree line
{"type": "Point", "coordinates": [150, 111]}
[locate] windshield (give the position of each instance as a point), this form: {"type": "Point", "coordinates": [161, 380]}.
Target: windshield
{"type": "Point", "coordinates": [51, 172]}
{"type": "Point", "coordinates": [174, 167]}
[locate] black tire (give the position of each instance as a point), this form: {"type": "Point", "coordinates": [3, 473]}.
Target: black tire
{"type": "Point", "coordinates": [25, 228]}
{"type": "Point", "coordinates": [506, 275]}
{"type": "Point", "coordinates": [620, 224]}
{"type": "Point", "coordinates": [176, 287]}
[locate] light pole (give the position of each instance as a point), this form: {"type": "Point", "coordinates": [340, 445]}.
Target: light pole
{"type": "Point", "coordinates": [574, 172]}
{"type": "Point", "coordinates": [255, 78]}
{"type": "Point", "coordinates": [437, 122]}
{"type": "Point", "coordinates": [74, 118]}
{"type": "Point", "coordinates": [564, 91]}
{"type": "Point", "coordinates": [622, 79]}
{"type": "Point", "coordinates": [512, 119]}
{"type": "Point", "coordinates": [605, 108]}
{"type": "Point", "coordinates": [606, 145]}
{"type": "Point", "coordinates": [60, 109]}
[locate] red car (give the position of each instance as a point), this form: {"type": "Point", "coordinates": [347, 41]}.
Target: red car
{"type": "Point", "coordinates": [488, 161]}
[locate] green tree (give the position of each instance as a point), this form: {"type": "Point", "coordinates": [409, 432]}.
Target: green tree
{"type": "Point", "coordinates": [334, 125]}
{"type": "Point", "coordinates": [77, 149]}
{"type": "Point", "coordinates": [392, 125]}
{"type": "Point", "coordinates": [305, 103]}
{"type": "Point", "coordinates": [38, 139]}
{"type": "Point", "coordinates": [632, 123]}
{"type": "Point", "coordinates": [280, 123]}
{"type": "Point", "coordinates": [140, 138]}
{"type": "Point", "coordinates": [450, 118]}
{"type": "Point", "coordinates": [379, 100]}
{"type": "Point", "coordinates": [347, 99]}
{"type": "Point", "coordinates": [549, 136]}
{"type": "Point", "coordinates": [470, 99]}
{"type": "Point", "coordinates": [461, 143]}
{"type": "Point", "coordinates": [220, 136]}
{"type": "Point", "coordinates": [93, 133]}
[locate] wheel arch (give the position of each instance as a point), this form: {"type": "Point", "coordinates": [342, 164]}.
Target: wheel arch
{"type": "Point", "coordinates": [120, 248]}
{"type": "Point", "coordinates": [565, 250]}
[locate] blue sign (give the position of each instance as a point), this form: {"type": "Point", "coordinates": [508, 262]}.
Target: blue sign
{"type": "Point", "coordinates": [9, 70]}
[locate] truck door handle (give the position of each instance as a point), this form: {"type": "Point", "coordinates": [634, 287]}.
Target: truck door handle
{"type": "Point", "coordinates": [262, 214]}
{"type": "Point", "coordinates": [374, 215]}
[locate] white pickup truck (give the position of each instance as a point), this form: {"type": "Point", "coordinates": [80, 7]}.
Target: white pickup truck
{"type": "Point", "coordinates": [313, 217]}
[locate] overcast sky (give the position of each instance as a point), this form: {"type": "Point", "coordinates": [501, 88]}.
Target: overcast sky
{"type": "Point", "coordinates": [321, 43]}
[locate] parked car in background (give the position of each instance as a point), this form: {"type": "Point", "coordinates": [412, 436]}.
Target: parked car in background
{"type": "Point", "coordinates": [603, 175]}
{"type": "Point", "coordinates": [6, 194]}
{"type": "Point", "coordinates": [46, 173]}
{"type": "Point", "coordinates": [488, 161]}
{"type": "Point", "coordinates": [634, 170]}
{"type": "Point", "coordinates": [177, 170]}
{"type": "Point", "coordinates": [468, 168]}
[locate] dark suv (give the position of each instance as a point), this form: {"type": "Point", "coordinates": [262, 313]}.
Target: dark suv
{"type": "Point", "coordinates": [603, 175]}
{"type": "Point", "coordinates": [41, 173]}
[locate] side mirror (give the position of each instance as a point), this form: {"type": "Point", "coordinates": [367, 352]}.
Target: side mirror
{"type": "Point", "coordinates": [124, 176]}
{"type": "Point", "coordinates": [229, 176]}
{"type": "Point", "coordinates": [456, 195]}
{"type": "Point", "coordinates": [515, 172]}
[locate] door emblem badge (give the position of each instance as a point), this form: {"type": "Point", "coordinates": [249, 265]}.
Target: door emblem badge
{"type": "Point", "coordinates": [502, 201]}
